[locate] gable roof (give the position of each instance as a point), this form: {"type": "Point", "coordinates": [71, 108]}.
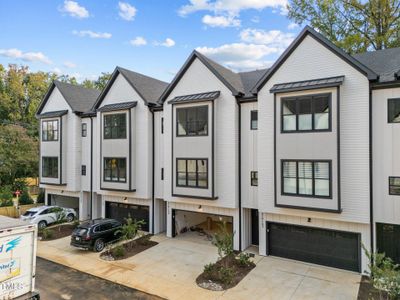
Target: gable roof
{"type": "Point", "coordinates": [385, 63]}
{"type": "Point", "coordinates": [239, 84]}
{"type": "Point", "coordinates": [79, 98]}
{"type": "Point", "coordinates": [370, 74]}
{"type": "Point", "coordinates": [148, 88]}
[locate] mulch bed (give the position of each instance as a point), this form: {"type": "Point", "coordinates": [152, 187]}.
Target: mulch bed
{"type": "Point", "coordinates": [59, 231]}
{"type": "Point", "coordinates": [211, 281]}
{"type": "Point", "coordinates": [367, 292]}
{"type": "Point", "coordinates": [131, 248]}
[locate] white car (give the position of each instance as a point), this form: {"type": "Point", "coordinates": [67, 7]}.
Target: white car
{"type": "Point", "coordinates": [46, 215]}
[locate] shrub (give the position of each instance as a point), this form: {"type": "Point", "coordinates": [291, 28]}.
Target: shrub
{"type": "Point", "coordinates": [40, 197]}
{"type": "Point", "coordinates": [223, 240]}
{"type": "Point", "coordinates": [6, 194]}
{"type": "Point", "coordinates": [244, 259]}
{"type": "Point", "coordinates": [20, 184]}
{"type": "Point", "coordinates": [226, 274]}
{"type": "Point", "coordinates": [385, 275]}
{"type": "Point", "coordinates": [130, 229]}
{"type": "Point", "coordinates": [25, 198]}
{"type": "Point", "coordinates": [4, 203]}
{"type": "Point", "coordinates": [118, 251]}
{"type": "Point", "coordinates": [46, 233]}
{"type": "Point", "coordinates": [208, 269]}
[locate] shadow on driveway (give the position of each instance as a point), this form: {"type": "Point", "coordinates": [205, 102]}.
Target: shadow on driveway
{"type": "Point", "coordinates": [55, 282]}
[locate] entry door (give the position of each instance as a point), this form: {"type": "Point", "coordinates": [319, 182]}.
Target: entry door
{"type": "Point", "coordinates": [254, 227]}
{"type": "Point", "coordinates": [331, 248]}
{"type": "Point", "coordinates": [388, 240]}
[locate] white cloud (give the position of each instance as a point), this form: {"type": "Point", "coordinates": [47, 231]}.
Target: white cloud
{"type": "Point", "coordinates": [126, 11]}
{"type": "Point", "coordinates": [292, 26]}
{"type": "Point", "coordinates": [240, 56]}
{"type": "Point", "coordinates": [75, 10]}
{"type": "Point", "coordinates": [232, 6]}
{"type": "Point", "coordinates": [138, 41]}
{"type": "Point", "coordinates": [221, 21]}
{"type": "Point", "coordinates": [57, 71]}
{"type": "Point", "coordinates": [92, 34]}
{"type": "Point", "coordinates": [69, 64]}
{"type": "Point", "coordinates": [167, 43]}
{"type": "Point", "coordinates": [273, 38]}
{"type": "Point", "coordinates": [25, 56]}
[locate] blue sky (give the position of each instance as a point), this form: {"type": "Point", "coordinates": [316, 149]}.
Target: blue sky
{"type": "Point", "coordinates": [83, 38]}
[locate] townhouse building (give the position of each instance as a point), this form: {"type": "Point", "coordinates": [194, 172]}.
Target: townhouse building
{"type": "Point", "coordinates": [301, 159]}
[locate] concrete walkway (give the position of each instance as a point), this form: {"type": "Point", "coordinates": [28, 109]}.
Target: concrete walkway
{"type": "Point", "coordinates": [169, 270]}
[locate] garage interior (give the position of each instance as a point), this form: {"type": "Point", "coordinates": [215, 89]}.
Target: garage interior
{"type": "Point", "coordinates": [195, 225]}
{"type": "Point", "coordinates": [64, 201]}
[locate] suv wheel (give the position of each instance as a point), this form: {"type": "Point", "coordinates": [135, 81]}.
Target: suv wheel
{"type": "Point", "coordinates": [42, 225]}
{"type": "Point", "coordinates": [99, 245]}
{"type": "Point", "coordinates": [70, 217]}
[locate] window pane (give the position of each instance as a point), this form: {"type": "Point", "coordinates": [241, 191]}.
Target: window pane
{"type": "Point", "coordinates": [202, 165]}
{"type": "Point", "coordinates": [305, 186]}
{"type": "Point", "coordinates": [321, 104]}
{"type": "Point", "coordinates": [202, 172]}
{"type": "Point", "coordinates": [289, 123]}
{"type": "Point", "coordinates": [305, 169]}
{"type": "Point", "coordinates": [181, 178]}
{"type": "Point", "coordinates": [394, 110]}
{"type": "Point", "coordinates": [305, 122]}
{"type": "Point", "coordinates": [394, 181]}
{"type": "Point", "coordinates": [202, 179]}
{"type": "Point", "coordinates": [321, 121]}
{"type": "Point", "coordinates": [289, 169]}
{"type": "Point", "coordinates": [254, 119]}
{"type": "Point", "coordinates": [202, 119]}
{"type": "Point", "coordinates": [289, 107]}
{"type": "Point", "coordinates": [321, 187]}
{"type": "Point", "coordinates": [304, 106]}
{"type": "Point", "coordinates": [181, 121]}
{"type": "Point", "coordinates": [321, 170]}
{"type": "Point", "coordinates": [289, 185]}
{"type": "Point", "coordinates": [181, 165]}
{"type": "Point", "coordinates": [192, 179]}
{"type": "Point", "coordinates": [191, 165]}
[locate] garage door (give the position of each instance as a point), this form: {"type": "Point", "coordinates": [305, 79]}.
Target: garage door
{"type": "Point", "coordinates": [120, 211]}
{"type": "Point", "coordinates": [388, 240]}
{"type": "Point", "coordinates": [319, 246]}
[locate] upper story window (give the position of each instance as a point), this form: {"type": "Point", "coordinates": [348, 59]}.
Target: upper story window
{"type": "Point", "coordinates": [254, 178]}
{"type": "Point", "coordinates": [306, 113]}
{"type": "Point", "coordinates": [192, 121]}
{"type": "Point", "coordinates": [50, 167]}
{"type": "Point", "coordinates": [394, 110]}
{"type": "Point", "coordinates": [306, 178]}
{"type": "Point", "coordinates": [115, 126]}
{"type": "Point", "coordinates": [84, 129]}
{"type": "Point", "coordinates": [254, 120]}
{"type": "Point", "coordinates": [192, 173]}
{"type": "Point", "coordinates": [394, 186]}
{"type": "Point", "coordinates": [50, 130]}
{"type": "Point", "coordinates": [114, 169]}
{"type": "Point", "coordinates": [83, 170]}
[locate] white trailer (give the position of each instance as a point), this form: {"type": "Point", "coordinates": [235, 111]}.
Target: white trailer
{"type": "Point", "coordinates": [18, 241]}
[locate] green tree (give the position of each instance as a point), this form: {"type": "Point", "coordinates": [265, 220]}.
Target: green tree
{"type": "Point", "coordinates": [19, 154]}
{"type": "Point", "coordinates": [102, 81]}
{"type": "Point", "coordinates": [354, 25]}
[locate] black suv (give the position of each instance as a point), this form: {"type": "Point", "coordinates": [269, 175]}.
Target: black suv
{"type": "Point", "coordinates": [95, 234]}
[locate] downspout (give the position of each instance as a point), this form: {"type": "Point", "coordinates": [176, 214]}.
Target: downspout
{"type": "Point", "coordinates": [91, 168]}
{"type": "Point", "coordinates": [152, 173]}
{"type": "Point", "coordinates": [371, 202]}
{"type": "Point", "coordinates": [240, 173]}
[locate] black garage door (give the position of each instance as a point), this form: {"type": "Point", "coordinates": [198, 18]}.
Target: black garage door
{"type": "Point", "coordinates": [319, 246]}
{"type": "Point", "coordinates": [388, 240]}
{"type": "Point", "coordinates": [120, 211]}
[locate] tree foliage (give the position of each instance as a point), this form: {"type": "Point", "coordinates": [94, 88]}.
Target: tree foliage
{"type": "Point", "coordinates": [354, 25]}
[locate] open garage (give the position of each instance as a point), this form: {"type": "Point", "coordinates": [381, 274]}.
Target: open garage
{"type": "Point", "coordinates": [338, 249]}
{"type": "Point", "coordinates": [204, 224]}
{"type": "Point", "coordinates": [64, 201]}
{"type": "Point", "coordinates": [121, 211]}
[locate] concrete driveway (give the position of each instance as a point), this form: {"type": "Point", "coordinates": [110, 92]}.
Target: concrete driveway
{"type": "Point", "coordinates": [169, 270]}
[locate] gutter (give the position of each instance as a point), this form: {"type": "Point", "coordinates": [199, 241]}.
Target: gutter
{"type": "Point", "coordinates": [91, 168]}
{"type": "Point", "coordinates": [240, 172]}
{"type": "Point", "coordinates": [151, 108]}
{"type": "Point", "coordinates": [371, 200]}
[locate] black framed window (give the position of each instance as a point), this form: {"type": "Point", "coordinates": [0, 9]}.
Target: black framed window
{"type": "Point", "coordinates": [50, 130]}
{"type": "Point", "coordinates": [306, 178]}
{"type": "Point", "coordinates": [162, 125]}
{"type": "Point", "coordinates": [192, 173]}
{"type": "Point", "coordinates": [83, 170]}
{"type": "Point", "coordinates": [394, 110]}
{"type": "Point", "coordinates": [254, 120]}
{"type": "Point", "coordinates": [114, 169]}
{"type": "Point", "coordinates": [50, 167]}
{"type": "Point", "coordinates": [254, 178]}
{"type": "Point", "coordinates": [192, 121]}
{"type": "Point", "coordinates": [394, 186]}
{"type": "Point", "coordinates": [306, 113]}
{"type": "Point", "coordinates": [162, 173]}
{"type": "Point", "coordinates": [115, 126]}
{"type": "Point", "coordinates": [84, 129]}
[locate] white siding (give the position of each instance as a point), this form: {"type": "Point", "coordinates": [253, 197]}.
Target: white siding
{"type": "Point", "coordinates": [311, 60]}
{"type": "Point", "coordinates": [158, 155]}
{"type": "Point", "coordinates": [386, 161]}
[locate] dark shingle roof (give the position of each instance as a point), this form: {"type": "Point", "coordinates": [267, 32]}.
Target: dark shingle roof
{"type": "Point", "coordinates": [79, 98]}
{"type": "Point", "coordinates": [307, 84]}
{"type": "Point", "coordinates": [52, 114]}
{"type": "Point", "coordinates": [150, 89]}
{"type": "Point", "coordinates": [386, 63]}
{"type": "Point", "coordinates": [249, 79]}
{"type": "Point", "coordinates": [196, 97]}
{"type": "Point", "coordinates": [118, 106]}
